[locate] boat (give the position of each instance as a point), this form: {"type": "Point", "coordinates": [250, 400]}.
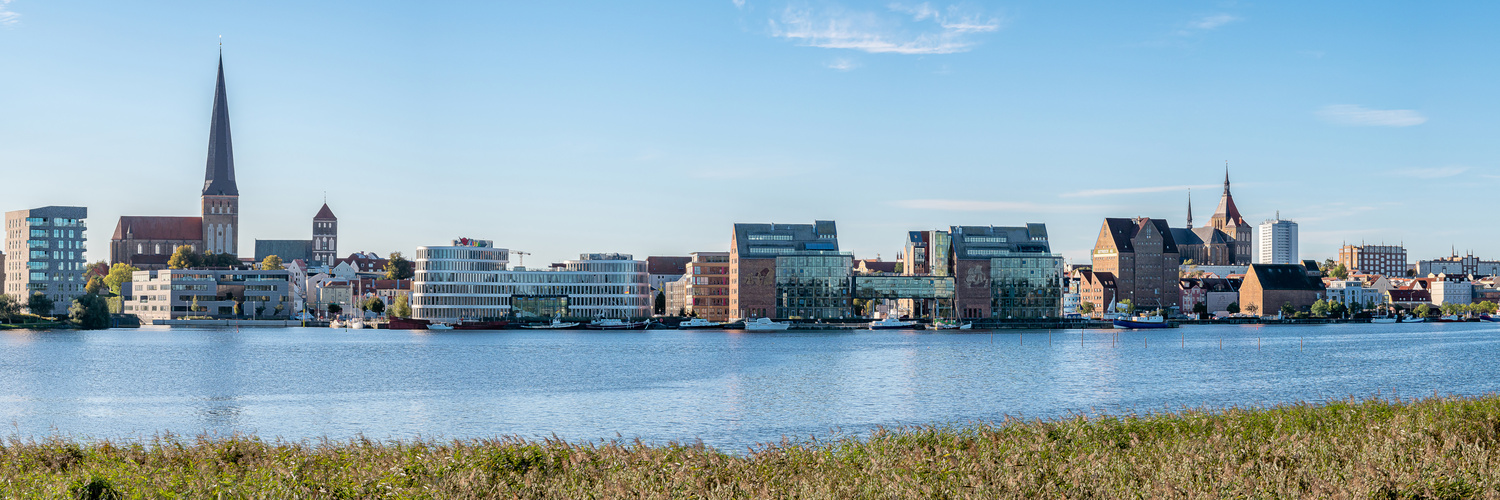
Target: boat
{"type": "Point", "coordinates": [698, 323]}
{"type": "Point", "coordinates": [407, 324]}
{"type": "Point", "coordinates": [765, 325]}
{"type": "Point", "coordinates": [615, 324]}
{"type": "Point", "coordinates": [355, 324]}
{"type": "Point", "coordinates": [439, 326]}
{"type": "Point", "coordinates": [1384, 319]}
{"type": "Point", "coordinates": [1412, 319]}
{"type": "Point", "coordinates": [943, 325]}
{"type": "Point", "coordinates": [1486, 317]}
{"type": "Point", "coordinates": [556, 324]}
{"type": "Point", "coordinates": [480, 325]}
{"type": "Point", "coordinates": [335, 324]}
{"type": "Point", "coordinates": [892, 323]}
{"type": "Point", "coordinates": [966, 326]}
{"type": "Point", "coordinates": [1141, 322]}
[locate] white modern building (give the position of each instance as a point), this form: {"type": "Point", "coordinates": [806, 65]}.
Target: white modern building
{"type": "Point", "coordinates": [1278, 242]}
{"type": "Point", "coordinates": [45, 254]}
{"type": "Point", "coordinates": [1456, 289]}
{"type": "Point", "coordinates": [470, 280]}
{"type": "Point", "coordinates": [1354, 292]}
{"type": "Point", "coordinates": [179, 293]}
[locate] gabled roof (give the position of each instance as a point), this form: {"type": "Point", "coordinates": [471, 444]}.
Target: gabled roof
{"type": "Point", "coordinates": [1103, 279]}
{"type": "Point", "coordinates": [325, 214]}
{"type": "Point", "coordinates": [1283, 277]}
{"type": "Point", "coordinates": [1226, 210]}
{"type": "Point", "coordinates": [1121, 231]}
{"type": "Point", "coordinates": [158, 228]}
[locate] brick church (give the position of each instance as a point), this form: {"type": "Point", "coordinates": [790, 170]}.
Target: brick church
{"type": "Point", "coordinates": [146, 242]}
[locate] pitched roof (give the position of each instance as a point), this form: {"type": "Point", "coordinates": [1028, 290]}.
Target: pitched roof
{"type": "Point", "coordinates": [1121, 231]}
{"type": "Point", "coordinates": [325, 214]}
{"type": "Point", "coordinates": [1227, 210]}
{"type": "Point", "coordinates": [1283, 277]}
{"type": "Point", "coordinates": [158, 228]}
{"type": "Point", "coordinates": [218, 176]}
{"type": "Point", "coordinates": [1410, 295]}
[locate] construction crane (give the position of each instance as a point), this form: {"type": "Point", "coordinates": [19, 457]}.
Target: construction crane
{"type": "Point", "coordinates": [520, 257]}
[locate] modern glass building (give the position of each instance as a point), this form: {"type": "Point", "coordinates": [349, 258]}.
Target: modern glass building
{"type": "Point", "coordinates": [1006, 272]}
{"type": "Point", "coordinates": [469, 280]}
{"type": "Point", "coordinates": [791, 271]}
{"type": "Point", "coordinates": [44, 248]}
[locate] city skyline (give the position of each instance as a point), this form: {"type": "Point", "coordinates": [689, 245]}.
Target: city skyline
{"type": "Point", "coordinates": [886, 118]}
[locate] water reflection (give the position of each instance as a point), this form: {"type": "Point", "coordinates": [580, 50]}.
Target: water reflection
{"type": "Point", "coordinates": [731, 389]}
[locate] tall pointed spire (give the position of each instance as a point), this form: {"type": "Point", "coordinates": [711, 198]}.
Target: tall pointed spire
{"type": "Point", "coordinates": [1226, 177]}
{"type": "Point", "coordinates": [1190, 208]}
{"type": "Point", "coordinates": [1227, 214]}
{"type": "Point", "coordinates": [218, 177]}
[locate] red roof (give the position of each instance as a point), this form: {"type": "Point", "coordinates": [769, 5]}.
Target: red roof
{"type": "Point", "coordinates": [325, 214]}
{"type": "Point", "coordinates": [159, 228]}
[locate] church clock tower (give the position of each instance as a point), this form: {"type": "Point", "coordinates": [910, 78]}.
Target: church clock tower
{"type": "Point", "coordinates": [221, 197]}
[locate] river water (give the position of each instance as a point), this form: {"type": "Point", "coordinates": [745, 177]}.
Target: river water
{"type": "Point", "coordinates": [729, 389]}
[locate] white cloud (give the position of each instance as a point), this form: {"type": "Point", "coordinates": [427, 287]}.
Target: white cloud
{"type": "Point", "coordinates": [1354, 115]}
{"type": "Point", "coordinates": [842, 64]}
{"type": "Point", "coordinates": [738, 3]}
{"type": "Point", "coordinates": [1209, 22]}
{"type": "Point", "coordinates": [1139, 190]}
{"type": "Point", "coordinates": [926, 31]}
{"type": "Point", "coordinates": [8, 17]}
{"type": "Point", "coordinates": [1429, 172]}
{"type": "Point", "coordinates": [989, 206]}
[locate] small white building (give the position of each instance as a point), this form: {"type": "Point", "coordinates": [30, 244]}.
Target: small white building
{"type": "Point", "coordinates": [1452, 289]}
{"type": "Point", "coordinates": [1351, 292]}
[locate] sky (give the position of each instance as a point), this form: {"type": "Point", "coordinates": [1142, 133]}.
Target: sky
{"type": "Point", "coordinates": [559, 128]}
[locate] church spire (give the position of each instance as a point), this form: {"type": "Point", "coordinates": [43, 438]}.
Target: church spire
{"type": "Point", "coordinates": [1226, 177]}
{"type": "Point", "coordinates": [218, 177]}
{"type": "Point", "coordinates": [1190, 208]}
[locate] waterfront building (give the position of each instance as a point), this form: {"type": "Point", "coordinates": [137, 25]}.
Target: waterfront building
{"type": "Point", "coordinates": [1005, 272]}
{"type": "Point", "coordinates": [676, 292]}
{"type": "Point", "coordinates": [469, 279]}
{"type": "Point", "coordinates": [147, 242]}
{"type": "Point", "coordinates": [1451, 289]}
{"type": "Point", "coordinates": [707, 290]}
{"type": "Point", "coordinates": [1267, 287]}
{"type": "Point", "coordinates": [1408, 299]}
{"type": "Point", "coordinates": [663, 270]}
{"type": "Point", "coordinates": [1353, 291]}
{"type": "Point", "coordinates": [789, 271]}
{"type": "Point", "coordinates": [172, 294]}
{"type": "Point", "coordinates": [1278, 242]}
{"type": "Point", "coordinates": [1225, 241]}
{"type": "Point", "coordinates": [1216, 294]}
{"type": "Point", "coordinates": [927, 253]}
{"type": "Point", "coordinates": [1455, 264]}
{"type": "Point", "coordinates": [1143, 259]}
{"type": "Point", "coordinates": [46, 248]}
{"type": "Point", "coordinates": [1389, 260]}
{"type": "Point", "coordinates": [1097, 289]}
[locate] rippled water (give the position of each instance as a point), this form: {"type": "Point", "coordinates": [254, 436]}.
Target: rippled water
{"type": "Point", "coordinates": [729, 389]}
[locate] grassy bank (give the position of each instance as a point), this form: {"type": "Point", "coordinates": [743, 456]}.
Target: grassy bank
{"type": "Point", "coordinates": [1430, 448]}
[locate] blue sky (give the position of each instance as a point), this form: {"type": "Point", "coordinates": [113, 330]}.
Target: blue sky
{"type": "Point", "coordinates": [650, 128]}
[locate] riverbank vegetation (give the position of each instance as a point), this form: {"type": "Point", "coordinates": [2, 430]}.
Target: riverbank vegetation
{"type": "Point", "coordinates": [1427, 448]}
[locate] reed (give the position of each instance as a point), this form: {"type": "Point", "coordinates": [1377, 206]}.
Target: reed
{"type": "Point", "coordinates": [1435, 447]}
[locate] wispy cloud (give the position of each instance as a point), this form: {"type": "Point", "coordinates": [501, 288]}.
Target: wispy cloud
{"type": "Point", "coordinates": [8, 17]}
{"type": "Point", "coordinates": [1360, 116]}
{"type": "Point", "coordinates": [1088, 193]}
{"type": "Point", "coordinates": [1213, 21]}
{"type": "Point", "coordinates": [1429, 172]}
{"type": "Point", "coordinates": [738, 3]}
{"type": "Point", "coordinates": [842, 64]}
{"type": "Point", "coordinates": [922, 29]}
{"type": "Point", "coordinates": [990, 206]}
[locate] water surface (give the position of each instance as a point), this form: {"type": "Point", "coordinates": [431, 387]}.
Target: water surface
{"type": "Point", "coordinates": [729, 389]}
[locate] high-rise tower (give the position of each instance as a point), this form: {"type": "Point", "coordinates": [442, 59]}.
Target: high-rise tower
{"type": "Point", "coordinates": [221, 197]}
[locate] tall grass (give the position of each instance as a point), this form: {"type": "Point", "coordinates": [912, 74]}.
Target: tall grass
{"type": "Point", "coordinates": [1427, 448]}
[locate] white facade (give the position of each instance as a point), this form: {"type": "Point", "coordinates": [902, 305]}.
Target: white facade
{"type": "Point", "coordinates": [469, 280]}
{"type": "Point", "coordinates": [1277, 243]}
{"type": "Point", "coordinates": [1452, 290]}
{"type": "Point", "coordinates": [1468, 264]}
{"type": "Point", "coordinates": [1354, 292]}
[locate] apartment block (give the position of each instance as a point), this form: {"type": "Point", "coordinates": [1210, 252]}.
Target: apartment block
{"type": "Point", "coordinates": [177, 293]}
{"type": "Point", "coordinates": [707, 290]}
{"type": "Point", "coordinates": [1278, 242]}
{"type": "Point", "coordinates": [1388, 260]}
{"type": "Point", "coordinates": [45, 247]}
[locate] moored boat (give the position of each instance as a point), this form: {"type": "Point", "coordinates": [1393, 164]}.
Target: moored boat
{"type": "Point", "coordinates": [615, 324]}
{"type": "Point", "coordinates": [765, 325]}
{"type": "Point", "coordinates": [892, 323]}
{"type": "Point", "coordinates": [698, 323]}
{"type": "Point", "coordinates": [556, 324]}
{"type": "Point", "coordinates": [439, 326]}
{"type": "Point", "coordinates": [1141, 322]}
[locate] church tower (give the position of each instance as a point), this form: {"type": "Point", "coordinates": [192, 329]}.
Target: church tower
{"type": "Point", "coordinates": [1227, 219]}
{"type": "Point", "coordinates": [221, 197]}
{"type": "Point", "coordinates": [325, 236]}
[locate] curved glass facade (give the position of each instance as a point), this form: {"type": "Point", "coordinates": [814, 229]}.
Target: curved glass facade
{"type": "Point", "coordinates": [460, 282]}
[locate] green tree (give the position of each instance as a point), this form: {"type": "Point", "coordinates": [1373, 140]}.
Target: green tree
{"type": "Point", "coordinates": [1339, 271]}
{"type": "Point", "coordinates": [271, 263]}
{"type": "Point", "coordinates": [397, 267]}
{"type": "Point", "coordinates": [1356, 308]}
{"type": "Point", "coordinates": [40, 304]}
{"type": "Point", "coordinates": [1422, 310]}
{"type": "Point", "coordinates": [1487, 307]}
{"type": "Point", "coordinates": [1200, 309]}
{"type": "Point", "coordinates": [1450, 308]}
{"type": "Point", "coordinates": [9, 308]}
{"type": "Point", "coordinates": [335, 309]}
{"type": "Point", "coordinates": [89, 312]}
{"type": "Point", "coordinates": [375, 305]}
{"type": "Point", "coordinates": [900, 266]}
{"type": "Point", "coordinates": [1326, 267]}
{"type": "Point", "coordinates": [1319, 308]}
{"type": "Point", "coordinates": [118, 275]}
{"type": "Point", "coordinates": [1234, 308]}
{"type": "Point", "coordinates": [1337, 309]}
{"type": "Point", "coordinates": [659, 306]}
{"type": "Point", "coordinates": [401, 308]}
{"type": "Point", "coordinates": [1085, 307]}
{"type": "Point", "coordinates": [1128, 305]}
{"type": "Point", "coordinates": [184, 258]}
{"type": "Point", "coordinates": [194, 306]}
{"type": "Point", "coordinates": [1287, 310]}
{"type": "Point", "coordinates": [220, 260]}
{"type": "Point", "coordinates": [95, 286]}
{"type": "Point", "coordinates": [1252, 308]}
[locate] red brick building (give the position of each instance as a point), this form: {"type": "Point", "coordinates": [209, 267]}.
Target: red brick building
{"type": "Point", "coordinates": [1268, 287]}
{"type": "Point", "coordinates": [1143, 258]}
